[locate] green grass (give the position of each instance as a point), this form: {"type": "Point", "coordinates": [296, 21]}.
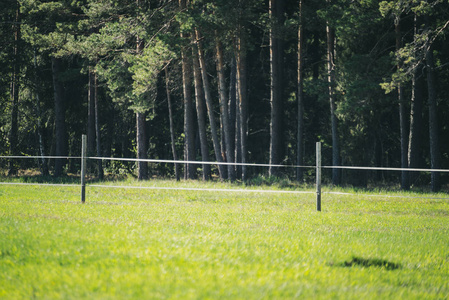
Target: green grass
{"type": "Point", "coordinates": [159, 244]}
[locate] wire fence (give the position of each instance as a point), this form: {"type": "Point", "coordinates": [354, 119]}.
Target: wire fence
{"type": "Point", "coordinates": [317, 167]}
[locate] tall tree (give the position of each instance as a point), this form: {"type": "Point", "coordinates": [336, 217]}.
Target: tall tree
{"type": "Point", "coordinates": [172, 127]}
{"type": "Point", "coordinates": [209, 105]}
{"type": "Point", "coordinates": [405, 179]}
{"type": "Point", "coordinates": [242, 104]}
{"type": "Point", "coordinates": [97, 129]}
{"type": "Point", "coordinates": [276, 10]}
{"type": "Point", "coordinates": [224, 110]}
{"type": "Point", "coordinates": [189, 117]}
{"type": "Point", "coordinates": [91, 98]}
{"type": "Point", "coordinates": [300, 95]}
{"type": "Point", "coordinates": [200, 111]}
{"type": "Point", "coordinates": [416, 111]}
{"type": "Point", "coordinates": [435, 156]}
{"type": "Point", "coordinates": [60, 120]}
{"type": "Point", "coordinates": [330, 40]}
{"type": "Point", "coordinates": [141, 137]}
{"type": "Point", "coordinates": [233, 118]}
{"type": "Point", "coordinates": [13, 136]}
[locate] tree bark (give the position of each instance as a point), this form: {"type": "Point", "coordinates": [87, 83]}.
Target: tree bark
{"type": "Point", "coordinates": [243, 101]}
{"type": "Point", "coordinates": [91, 114]}
{"type": "Point", "coordinates": [225, 111]}
{"type": "Point", "coordinates": [276, 10]}
{"type": "Point", "coordinates": [189, 117]}
{"type": "Point", "coordinates": [331, 83]}
{"type": "Point", "coordinates": [414, 141]}
{"type": "Point", "coordinates": [13, 134]}
{"type": "Point", "coordinates": [232, 115]}
{"type": "Point", "coordinates": [43, 161]}
{"type": "Point", "coordinates": [141, 146]}
{"type": "Point", "coordinates": [172, 127]}
{"type": "Point", "coordinates": [405, 179]}
{"type": "Point", "coordinates": [141, 128]}
{"type": "Point", "coordinates": [60, 126]}
{"type": "Point", "coordinates": [97, 130]}
{"type": "Point", "coordinates": [414, 145]}
{"type": "Point", "coordinates": [300, 97]}
{"type": "Point", "coordinates": [209, 106]}
{"type": "Point", "coordinates": [435, 156]}
{"type": "Point", "coordinates": [201, 111]}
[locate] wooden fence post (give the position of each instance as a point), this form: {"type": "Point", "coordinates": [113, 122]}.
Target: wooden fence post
{"type": "Point", "coordinates": [318, 176]}
{"type": "Point", "coordinates": [83, 167]}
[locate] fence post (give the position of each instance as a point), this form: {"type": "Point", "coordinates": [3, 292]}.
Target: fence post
{"type": "Point", "coordinates": [318, 176]}
{"type": "Point", "coordinates": [83, 167]}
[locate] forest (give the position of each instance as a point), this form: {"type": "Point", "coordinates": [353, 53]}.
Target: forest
{"type": "Point", "coordinates": [244, 81]}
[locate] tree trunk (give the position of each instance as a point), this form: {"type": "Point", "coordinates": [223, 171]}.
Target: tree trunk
{"type": "Point", "coordinates": [300, 130]}
{"type": "Point", "coordinates": [232, 116]}
{"type": "Point", "coordinates": [43, 161]}
{"type": "Point", "coordinates": [435, 157]}
{"type": "Point", "coordinates": [97, 130]}
{"type": "Point", "coordinates": [414, 141]}
{"type": "Point", "coordinates": [13, 134]}
{"type": "Point", "coordinates": [200, 110]}
{"type": "Point", "coordinates": [243, 102]}
{"type": "Point", "coordinates": [405, 179]}
{"type": "Point", "coordinates": [189, 118]}
{"type": "Point", "coordinates": [172, 127]}
{"type": "Point", "coordinates": [225, 111]}
{"type": "Point", "coordinates": [414, 146]}
{"type": "Point", "coordinates": [141, 145]}
{"type": "Point", "coordinates": [91, 114]}
{"type": "Point", "coordinates": [141, 126]}
{"type": "Point", "coordinates": [209, 105]}
{"type": "Point", "coordinates": [60, 127]}
{"type": "Point", "coordinates": [276, 9]}
{"type": "Point", "coordinates": [331, 82]}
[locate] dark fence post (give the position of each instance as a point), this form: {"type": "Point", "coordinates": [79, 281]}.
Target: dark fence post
{"type": "Point", "coordinates": [318, 176]}
{"type": "Point", "coordinates": [83, 167]}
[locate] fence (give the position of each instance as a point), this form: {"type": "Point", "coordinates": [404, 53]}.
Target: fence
{"type": "Point", "coordinates": [318, 173]}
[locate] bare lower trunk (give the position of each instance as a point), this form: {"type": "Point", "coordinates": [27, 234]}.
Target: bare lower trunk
{"type": "Point", "coordinates": [141, 146]}
{"type": "Point", "coordinates": [60, 127]}
{"type": "Point", "coordinates": [189, 118]}
{"type": "Point", "coordinates": [225, 112]}
{"type": "Point", "coordinates": [414, 141]}
{"type": "Point", "coordinates": [405, 179]}
{"type": "Point", "coordinates": [435, 157]}
{"type": "Point", "coordinates": [97, 131]}
{"type": "Point", "coordinates": [172, 127]}
{"type": "Point", "coordinates": [331, 83]}
{"type": "Point", "coordinates": [232, 115]}
{"type": "Point", "coordinates": [42, 161]}
{"type": "Point", "coordinates": [91, 114]}
{"type": "Point", "coordinates": [243, 103]}
{"type": "Point", "coordinates": [210, 108]}
{"type": "Point", "coordinates": [13, 134]}
{"type": "Point", "coordinates": [276, 98]}
{"type": "Point", "coordinates": [201, 111]}
{"type": "Point", "coordinates": [300, 96]}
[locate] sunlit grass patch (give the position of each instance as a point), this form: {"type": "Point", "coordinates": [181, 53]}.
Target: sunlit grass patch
{"type": "Point", "coordinates": [162, 243]}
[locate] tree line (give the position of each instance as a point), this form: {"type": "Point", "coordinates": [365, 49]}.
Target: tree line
{"type": "Point", "coordinates": [228, 81]}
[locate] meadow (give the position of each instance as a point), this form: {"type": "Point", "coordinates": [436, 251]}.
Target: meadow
{"type": "Point", "coordinates": [193, 244]}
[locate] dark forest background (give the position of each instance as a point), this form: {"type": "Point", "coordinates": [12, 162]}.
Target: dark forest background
{"type": "Point", "coordinates": [251, 81]}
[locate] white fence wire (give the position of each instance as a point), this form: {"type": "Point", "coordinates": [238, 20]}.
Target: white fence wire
{"type": "Point", "coordinates": [185, 162]}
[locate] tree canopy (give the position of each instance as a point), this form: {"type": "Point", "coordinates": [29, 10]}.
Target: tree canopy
{"type": "Point", "coordinates": [245, 81]}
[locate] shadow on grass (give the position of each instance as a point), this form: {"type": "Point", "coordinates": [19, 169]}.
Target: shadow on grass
{"type": "Point", "coordinates": [370, 262]}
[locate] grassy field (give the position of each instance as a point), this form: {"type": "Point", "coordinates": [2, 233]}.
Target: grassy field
{"type": "Point", "coordinates": [177, 244]}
